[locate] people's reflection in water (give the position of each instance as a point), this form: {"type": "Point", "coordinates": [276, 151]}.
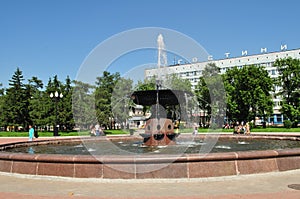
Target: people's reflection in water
{"type": "Point", "coordinates": [30, 150]}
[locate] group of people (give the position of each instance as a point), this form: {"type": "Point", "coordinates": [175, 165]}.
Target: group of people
{"type": "Point", "coordinates": [97, 130]}
{"type": "Point", "coordinates": [240, 128]}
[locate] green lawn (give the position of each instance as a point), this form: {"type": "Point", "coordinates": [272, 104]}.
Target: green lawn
{"type": "Point", "coordinates": [120, 132]}
{"type": "Point", "coordinates": [50, 134]}
{"type": "Point", "coordinates": [258, 129]}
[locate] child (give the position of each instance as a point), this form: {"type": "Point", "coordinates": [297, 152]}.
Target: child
{"type": "Point", "coordinates": [31, 133]}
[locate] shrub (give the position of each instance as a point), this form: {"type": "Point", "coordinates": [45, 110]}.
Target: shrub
{"type": "Point", "coordinates": [287, 124]}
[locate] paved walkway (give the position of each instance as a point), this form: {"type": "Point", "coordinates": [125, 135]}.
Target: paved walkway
{"type": "Point", "coordinates": [258, 186]}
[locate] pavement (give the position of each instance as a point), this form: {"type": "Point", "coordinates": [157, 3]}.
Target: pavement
{"type": "Point", "coordinates": [273, 185]}
{"type": "Point", "coordinates": [259, 186]}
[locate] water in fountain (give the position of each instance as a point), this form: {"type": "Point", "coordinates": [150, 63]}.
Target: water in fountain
{"type": "Point", "coordinates": [125, 147]}
{"type": "Point", "coordinates": [162, 61]}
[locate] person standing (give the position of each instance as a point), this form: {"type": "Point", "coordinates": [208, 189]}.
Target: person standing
{"type": "Point", "coordinates": [31, 133]}
{"type": "Point", "coordinates": [97, 129]}
{"type": "Point", "coordinates": [247, 128]}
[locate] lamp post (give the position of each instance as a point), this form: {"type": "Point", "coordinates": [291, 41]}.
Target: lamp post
{"type": "Point", "coordinates": [56, 96]}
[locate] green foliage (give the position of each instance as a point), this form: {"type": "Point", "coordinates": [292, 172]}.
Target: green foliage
{"type": "Point", "coordinates": [287, 124]}
{"type": "Point", "coordinates": [210, 94]}
{"type": "Point", "coordinates": [248, 92]}
{"type": "Point", "coordinates": [35, 107]}
{"type": "Point", "coordinates": [67, 115]}
{"type": "Point", "coordinates": [105, 87]}
{"type": "Point", "coordinates": [147, 84]}
{"type": "Point", "coordinates": [16, 102]}
{"type": "Point", "coordinates": [289, 84]}
{"type": "Point", "coordinates": [83, 100]}
{"type": "Point", "coordinates": [120, 100]}
{"type": "Point", "coordinates": [174, 82]}
{"type": "Point", "coordinates": [23, 104]}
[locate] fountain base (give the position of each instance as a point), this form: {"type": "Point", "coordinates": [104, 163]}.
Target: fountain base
{"type": "Point", "coordinates": [159, 132]}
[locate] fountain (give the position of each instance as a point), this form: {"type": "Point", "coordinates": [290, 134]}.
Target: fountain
{"type": "Point", "coordinates": [159, 129]}
{"type": "Point", "coordinates": [159, 134]}
{"type": "Point", "coordinates": [149, 165]}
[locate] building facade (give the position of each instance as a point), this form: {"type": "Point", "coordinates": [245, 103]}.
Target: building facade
{"type": "Point", "coordinates": [193, 71]}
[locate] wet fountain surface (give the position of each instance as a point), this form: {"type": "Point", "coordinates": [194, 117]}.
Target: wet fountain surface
{"type": "Point", "coordinates": [135, 146]}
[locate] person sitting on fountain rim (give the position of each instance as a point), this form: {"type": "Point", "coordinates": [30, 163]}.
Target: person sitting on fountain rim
{"type": "Point", "coordinates": [93, 132]}
{"type": "Point", "coordinates": [236, 129]}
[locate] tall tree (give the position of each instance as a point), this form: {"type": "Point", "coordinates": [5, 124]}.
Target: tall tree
{"type": "Point", "coordinates": [120, 100]}
{"type": "Point", "coordinates": [248, 93]}
{"type": "Point", "coordinates": [2, 105]}
{"type": "Point", "coordinates": [210, 93]}
{"type": "Point", "coordinates": [289, 83]}
{"type": "Point", "coordinates": [35, 101]}
{"type": "Point", "coordinates": [231, 83]}
{"type": "Point", "coordinates": [54, 106]}
{"type": "Point", "coordinates": [16, 102]}
{"type": "Point", "coordinates": [67, 119]}
{"type": "Point", "coordinates": [83, 101]}
{"type": "Point", "coordinates": [105, 86]}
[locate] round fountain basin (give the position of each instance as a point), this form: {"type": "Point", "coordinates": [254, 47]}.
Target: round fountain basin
{"type": "Point", "coordinates": [142, 163]}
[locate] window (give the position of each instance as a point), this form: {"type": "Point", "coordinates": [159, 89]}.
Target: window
{"type": "Point", "coordinates": [279, 119]}
{"type": "Point", "coordinates": [273, 72]}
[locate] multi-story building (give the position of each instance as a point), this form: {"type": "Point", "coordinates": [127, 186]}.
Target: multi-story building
{"type": "Point", "coordinates": [192, 71]}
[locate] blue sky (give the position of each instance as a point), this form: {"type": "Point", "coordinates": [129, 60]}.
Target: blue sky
{"type": "Point", "coordinates": [53, 37]}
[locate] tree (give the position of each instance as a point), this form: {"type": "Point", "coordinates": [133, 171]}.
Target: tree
{"type": "Point", "coordinates": [231, 82]}
{"type": "Point", "coordinates": [211, 94]}
{"type": "Point", "coordinates": [174, 82]}
{"type": "Point", "coordinates": [67, 119]}
{"type": "Point", "coordinates": [104, 89]}
{"type": "Point", "coordinates": [83, 100]}
{"type": "Point", "coordinates": [184, 110]}
{"type": "Point", "coordinates": [16, 102]}
{"type": "Point", "coordinates": [120, 100]}
{"type": "Point", "coordinates": [289, 83]}
{"type": "Point", "coordinates": [2, 103]}
{"type": "Point", "coordinates": [147, 84]}
{"type": "Point", "coordinates": [248, 93]}
{"type": "Point", "coordinates": [35, 101]}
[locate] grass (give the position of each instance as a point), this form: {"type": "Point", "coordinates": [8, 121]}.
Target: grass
{"type": "Point", "coordinates": [258, 129]}
{"type": "Point", "coordinates": [61, 133]}
{"type": "Point", "coordinates": [123, 132]}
